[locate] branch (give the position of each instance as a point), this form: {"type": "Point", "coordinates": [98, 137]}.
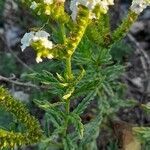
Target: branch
{"type": "Point", "coordinates": [21, 83]}
{"type": "Point", "coordinates": [11, 51]}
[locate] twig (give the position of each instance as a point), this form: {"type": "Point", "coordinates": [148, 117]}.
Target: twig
{"type": "Point", "coordinates": [21, 83]}
{"type": "Point", "coordinates": [145, 59]}
{"type": "Point", "coordinates": [11, 51]}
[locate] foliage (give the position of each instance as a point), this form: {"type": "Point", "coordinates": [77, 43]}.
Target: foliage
{"type": "Point", "coordinates": [120, 50]}
{"type": "Point", "coordinates": [143, 133]}
{"type": "Point", "coordinates": [2, 2]}
{"type": "Point", "coordinates": [10, 66]}
{"type": "Point", "coordinates": [11, 139]}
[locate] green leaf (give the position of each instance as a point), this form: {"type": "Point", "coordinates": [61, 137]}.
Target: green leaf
{"type": "Point", "coordinates": [92, 130]}
{"type": "Point", "coordinates": [61, 79]}
{"type": "Point", "coordinates": [45, 77]}
{"type": "Point", "coordinates": [68, 144]}
{"type": "Point", "coordinates": [45, 105]}
{"type": "Point", "coordinates": [53, 114]}
{"type": "Point", "coordinates": [77, 122]}
{"type": "Point", "coordinates": [143, 133]}
{"type": "Point", "coordinates": [84, 103]}
{"type": "Point", "coordinates": [68, 93]}
{"type": "Point", "coordinates": [146, 107]}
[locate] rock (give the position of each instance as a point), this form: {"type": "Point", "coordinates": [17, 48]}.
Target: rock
{"type": "Point", "coordinates": [20, 95]}
{"type": "Point", "coordinates": [12, 35]}
{"type": "Point", "coordinates": [138, 82]}
{"type": "Point", "coordinates": [146, 14]}
{"type": "Point", "coordinates": [137, 27]}
{"type": "Point", "coordinates": [144, 45]}
{"type": "Point", "coordinates": [1, 31]}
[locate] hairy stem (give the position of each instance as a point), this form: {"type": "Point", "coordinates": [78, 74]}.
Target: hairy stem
{"type": "Point", "coordinates": [69, 68]}
{"type": "Point", "coordinates": [69, 77]}
{"type": "Point", "coordinates": [67, 113]}
{"type": "Point", "coordinates": [63, 33]}
{"type": "Point", "coordinates": [122, 30]}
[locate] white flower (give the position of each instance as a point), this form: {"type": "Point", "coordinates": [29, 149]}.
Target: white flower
{"type": "Point", "coordinates": [47, 11]}
{"type": "Point", "coordinates": [33, 5]}
{"type": "Point", "coordinates": [61, 1]}
{"type": "Point", "coordinates": [110, 2]}
{"type": "Point", "coordinates": [74, 9]}
{"type": "Point", "coordinates": [48, 2]}
{"type": "Point", "coordinates": [92, 16]}
{"type": "Point", "coordinates": [41, 36]}
{"type": "Point", "coordinates": [38, 59]}
{"type": "Point", "coordinates": [26, 40]}
{"type": "Point", "coordinates": [50, 56]}
{"type": "Point", "coordinates": [46, 43]}
{"type": "Point", "coordinates": [139, 5]}
{"type": "Point", "coordinates": [90, 4]}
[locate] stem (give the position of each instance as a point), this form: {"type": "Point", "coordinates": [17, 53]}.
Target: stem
{"type": "Point", "coordinates": [62, 28]}
{"type": "Point", "coordinates": [69, 77]}
{"type": "Point", "coordinates": [68, 106]}
{"type": "Point", "coordinates": [67, 113]}
{"type": "Point", "coordinates": [69, 68]}
{"type": "Point", "coordinates": [122, 30]}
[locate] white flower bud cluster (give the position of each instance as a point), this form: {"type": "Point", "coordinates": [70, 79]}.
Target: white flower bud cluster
{"type": "Point", "coordinates": [90, 4]}
{"type": "Point", "coordinates": [48, 2]}
{"type": "Point", "coordinates": [139, 5]}
{"type": "Point", "coordinates": [34, 5]}
{"type": "Point", "coordinates": [41, 36]}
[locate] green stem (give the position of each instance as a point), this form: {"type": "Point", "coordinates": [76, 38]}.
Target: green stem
{"type": "Point", "coordinates": [63, 33]}
{"type": "Point", "coordinates": [66, 120]}
{"type": "Point", "coordinates": [68, 106]}
{"type": "Point", "coordinates": [77, 31]}
{"type": "Point", "coordinates": [69, 77]}
{"type": "Point", "coordinates": [69, 68]}
{"type": "Point", "coordinates": [122, 30]}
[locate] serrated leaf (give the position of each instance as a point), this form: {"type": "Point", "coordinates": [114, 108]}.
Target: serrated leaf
{"type": "Point", "coordinates": [60, 77]}
{"type": "Point", "coordinates": [68, 93]}
{"type": "Point", "coordinates": [44, 77]}
{"type": "Point", "coordinates": [57, 115]}
{"type": "Point", "coordinates": [84, 103]}
{"type": "Point", "coordinates": [68, 144]}
{"type": "Point", "coordinates": [77, 122]}
{"type": "Point", "coordinates": [146, 107]}
{"type": "Point", "coordinates": [92, 129]}
{"type": "Point", "coordinates": [80, 76]}
{"type": "Point", "coordinates": [45, 105]}
{"type": "Point", "coordinates": [142, 133]}
{"type": "Point", "coordinates": [64, 84]}
{"type": "Point", "coordinates": [52, 118]}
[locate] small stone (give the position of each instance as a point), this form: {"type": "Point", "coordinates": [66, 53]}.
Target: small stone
{"type": "Point", "coordinates": [137, 27]}
{"type": "Point", "coordinates": [146, 14]}
{"type": "Point", "coordinates": [137, 81]}
{"type": "Point", "coordinates": [20, 95]}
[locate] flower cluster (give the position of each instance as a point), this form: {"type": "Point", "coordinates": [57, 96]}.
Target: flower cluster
{"type": "Point", "coordinates": [139, 5]}
{"type": "Point", "coordinates": [35, 5]}
{"type": "Point", "coordinates": [89, 9]}
{"type": "Point", "coordinates": [44, 6]}
{"type": "Point", "coordinates": [41, 37]}
{"type": "Point", "coordinates": [90, 4]}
